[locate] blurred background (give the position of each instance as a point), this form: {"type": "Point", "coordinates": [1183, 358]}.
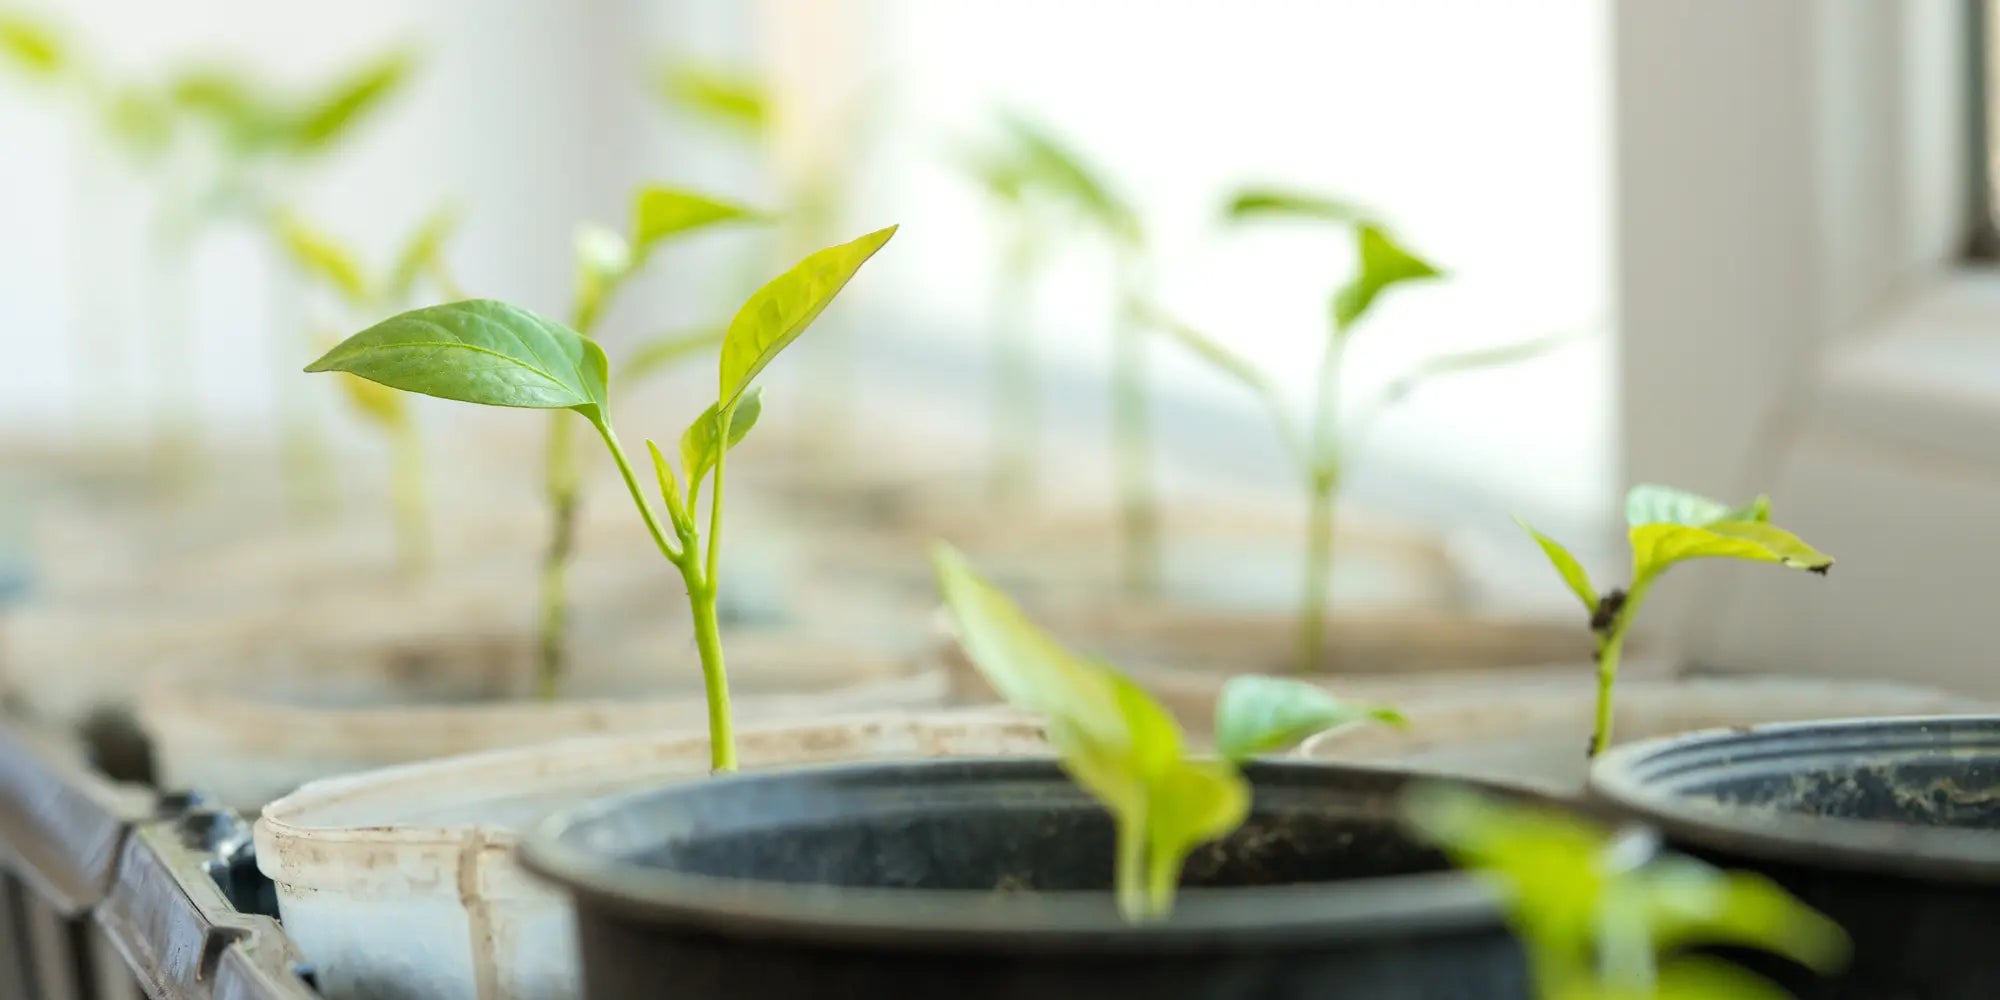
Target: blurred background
{"type": "Point", "coordinates": [1716, 214]}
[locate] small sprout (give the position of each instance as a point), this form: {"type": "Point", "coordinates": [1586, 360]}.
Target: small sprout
{"type": "Point", "coordinates": [730, 98]}
{"type": "Point", "coordinates": [1321, 450]}
{"type": "Point", "coordinates": [495, 354]}
{"type": "Point", "coordinates": [1125, 749]}
{"type": "Point", "coordinates": [1611, 917]}
{"type": "Point", "coordinates": [1668, 526]}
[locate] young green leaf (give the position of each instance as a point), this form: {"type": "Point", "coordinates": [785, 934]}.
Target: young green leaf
{"type": "Point", "coordinates": [1230, 364]}
{"type": "Point", "coordinates": [1691, 903]}
{"type": "Point", "coordinates": [668, 350]}
{"type": "Point", "coordinates": [729, 98]}
{"type": "Point", "coordinates": [662, 213]}
{"type": "Point", "coordinates": [1572, 572]}
{"type": "Point", "coordinates": [32, 47]}
{"type": "Point", "coordinates": [1257, 715]}
{"type": "Point", "coordinates": [1113, 739]}
{"type": "Point", "coordinates": [698, 449]}
{"type": "Point", "coordinates": [331, 116]}
{"type": "Point", "coordinates": [1384, 264]}
{"type": "Point", "coordinates": [1473, 360]}
{"type": "Point", "coordinates": [321, 256]}
{"type": "Point", "coordinates": [421, 252]}
{"type": "Point", "coordinates": [1696, 977]}
{"type": "Point", "coordinates": [1047, 165]}
{"type": "Point", "coordinates": [777, 313]}
{"type": "Point", "coordinates": [1657, 546]}
{"type": "Point", "coordinates": [478, 351]}
{"type": "Point", "coordinates": [1651, 503]}
{"type": "Point", "coordinates": [1269, 202]}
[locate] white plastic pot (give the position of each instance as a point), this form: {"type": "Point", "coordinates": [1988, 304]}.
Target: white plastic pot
{"type": "Point", "coordinates": [1537, 735]}
{"type": "Point", "coordinates": [252, 728]}
{"type": "Point", "coordinates": [402, 884]}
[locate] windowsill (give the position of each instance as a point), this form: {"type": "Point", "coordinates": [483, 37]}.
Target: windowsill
{"type": "Point", "coordinates": [1927, 376]}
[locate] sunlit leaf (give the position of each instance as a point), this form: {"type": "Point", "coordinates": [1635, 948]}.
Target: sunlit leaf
{"type": "Point", "coordinates": [1572, 572]}
{"type": "Point", "coordinates": [1690, 903]}
{"type": "Point", "coordinates": [730, 98]}
{"type": "Point", "coordinates": [669, 349]}
{"type": "Point", "coordinates": [1657, 546]}
{"type": "Point", "coordinates": [1188, 804]}
{"type": "Point", "coordinates": [478, 351]}
{"type": "Point", "coordinates": [321, 257]}
{"type": "Point", "coordinates": [698, 450]}
{"type": "Point", "coordinates": [1048, 166]}
{"type": "Point", "coordinates": [328, 118]}
{"type": "Point", "coordinates": [1256, 715]}
{"type": "Point", "coordinates": [1384, 265]}
{"type": "Point", "coordinates": [779, 312]}
{"type": "Point", "coordinates": [1280, 203]}
{"type": "Point", "coordinates": [662, 213]}
{"type": "Point", "coordinates": [32, 47]}
{"type": "Point", "coordinates": [1651, 503]}
{"type": "Point", "coordinates": [421, 252]}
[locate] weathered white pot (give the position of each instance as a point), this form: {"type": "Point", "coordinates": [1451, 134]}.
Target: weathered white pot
{"type": "Point", "coordinates": [401, 884]}
{"type": "Point", "coordinates": [1537, 734]}
{"type": "Point", "coordinates": [254, 727]}
{"type": "Point", "coordinates": [1184, 656]}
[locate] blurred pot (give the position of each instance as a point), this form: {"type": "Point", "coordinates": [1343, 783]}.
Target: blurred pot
{"type": "Point", "coordinates": [402, 883]}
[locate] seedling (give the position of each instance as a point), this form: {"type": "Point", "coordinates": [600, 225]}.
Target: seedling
{"type": "Point", "coordinates": [1606, 917]}
{"type": "Point", "coordinates": [1048, 169]}
{"type": "Point", "coordinates": [487, 352]}
{"type": "Point", "coordinates": [1024, 245]}
{"type": "Point", "coordinates": [1324, 449]}
{"type": "Point", "coordinates": [325, 260]}
{"type": "Point", "coordinates": [1668, 526]}
{"type": "Point", "coordinates": [1126, 750]}
{"type": "Point", "coordinates": [605, 262]}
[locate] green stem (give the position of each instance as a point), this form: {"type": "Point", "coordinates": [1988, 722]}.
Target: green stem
{"type": "Point", "coordinates": [562, 479]}
{"type": "Point", "coordinates": [1615, 612]}
{"type": "Point", "coordinates": [1129, 872]}
{"type": "Point", "coordinates": [413, 534]}
{"type": "Point", "coordinates": [1319, 573]}
{"type": "Point", "coordinates": [1133, 449]}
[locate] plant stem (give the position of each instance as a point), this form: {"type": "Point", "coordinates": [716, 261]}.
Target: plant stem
{"type": "Point", "coordinates": [413, 535]}
{"type": "Point", "coordinates": [1319, 572]}
{"type": "Point", "coordinates": [1132, 445]}
{"type": "Point", "coordinates": [1129, 872]}
{"type": "Point", "coordinates": [1614, 616]}
{"type": "Point", "coordinates": [562, 483]}
{"type": "Point", "coordinates": [1016, 404]}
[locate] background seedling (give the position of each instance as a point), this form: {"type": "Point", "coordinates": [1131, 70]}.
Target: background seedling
{"type": "Point", "coordinates": [1048, 169]}
{"type": "Point", "coordinates": [326, 261]}
{"type": "Point", "coordinates": [487, 352]}
{"type": "Point", "coordinates": [1324, 449]}
{"type": "Point", "coordinates": [1126, 750]}
{"type": "Point", "coordinates": [1668, 526]}
{"type": "Point", "coordinates": [1611, 917]}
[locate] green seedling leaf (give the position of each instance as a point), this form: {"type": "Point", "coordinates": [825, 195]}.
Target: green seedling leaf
{"type": "Point", "coordinates": [322, 257]}
{"type": "Point", "coordinates": [1230, 364]}
{"type": "Point", "coordinates": [779, 312]}
{"type": "Point", "coordinates": [669, 349]}
{"type": "Point", "coordinates": [1384, 265]}
{"type": "Point", "coordinates": [603, 259]}
{"type": "Point", "coordinates": [1113, 739]}
{"type": "Point", "coordinates": [232, 104]}
{"type": "Point", "coordinates": [1258, 715]}
{"type": "Point", "coordinates": [1571, 571]}
{"type": "Point", "coordinates": [1651, 503]}
{"type": "Point", "coordinates": [663, 213]}
{"type": "Point", "coordinates": [478, 351]}
{"type": "Point", "coordinates": [1698, 978]}
{"type": "Point", "coordinates": [1474, 360]}
{"type": "Point", "coordinates": [1689, 902]}
{"type": "Point", "coordinates": [698, 442]}
{"type": "Point", "coordinates": [1278, 203]}
{"type": "Point", "coordinates": [421, 252]}
{"type": "Point", "coordinates": [1657, 546]}
{"type": "Point", "coordinates": [32, 47]}
{"type": "Point", "coordinates": [1048, 166]}
{"type": "Point", "coordinates": [999, 175]}
{"type": "Point", "coordinates": [726, 97]}
{"type": "Point", "coordinates": [329, 118]}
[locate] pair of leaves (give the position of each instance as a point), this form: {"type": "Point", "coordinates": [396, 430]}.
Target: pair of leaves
{"type": "Point", "coordinates": [255, 122]}
{"type": "Point", "coordinates": [1382, 262]}
{"type": "Point", "coordinates": [1125, 749]}
{"type": "Point", "coordinates": [318, 254]}
{"type": "Point", "coordinates": [1668, 526]}
{"type": "Point", "coordinates": [1044, 165]}
{"type": "Point", "coordinates": [1570, 884]}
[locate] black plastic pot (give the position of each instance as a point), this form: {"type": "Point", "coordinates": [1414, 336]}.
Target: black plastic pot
{"type": "Point", "coordinates": [975, 879]}
{"type": "Point", "coordinates": [1889, 826]}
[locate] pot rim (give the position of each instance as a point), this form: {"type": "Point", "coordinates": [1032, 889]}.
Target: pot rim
{"type": "Point", "coordinates": [1205, 919]}
{"type": "Point", "coordinates": [1635, 781]}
